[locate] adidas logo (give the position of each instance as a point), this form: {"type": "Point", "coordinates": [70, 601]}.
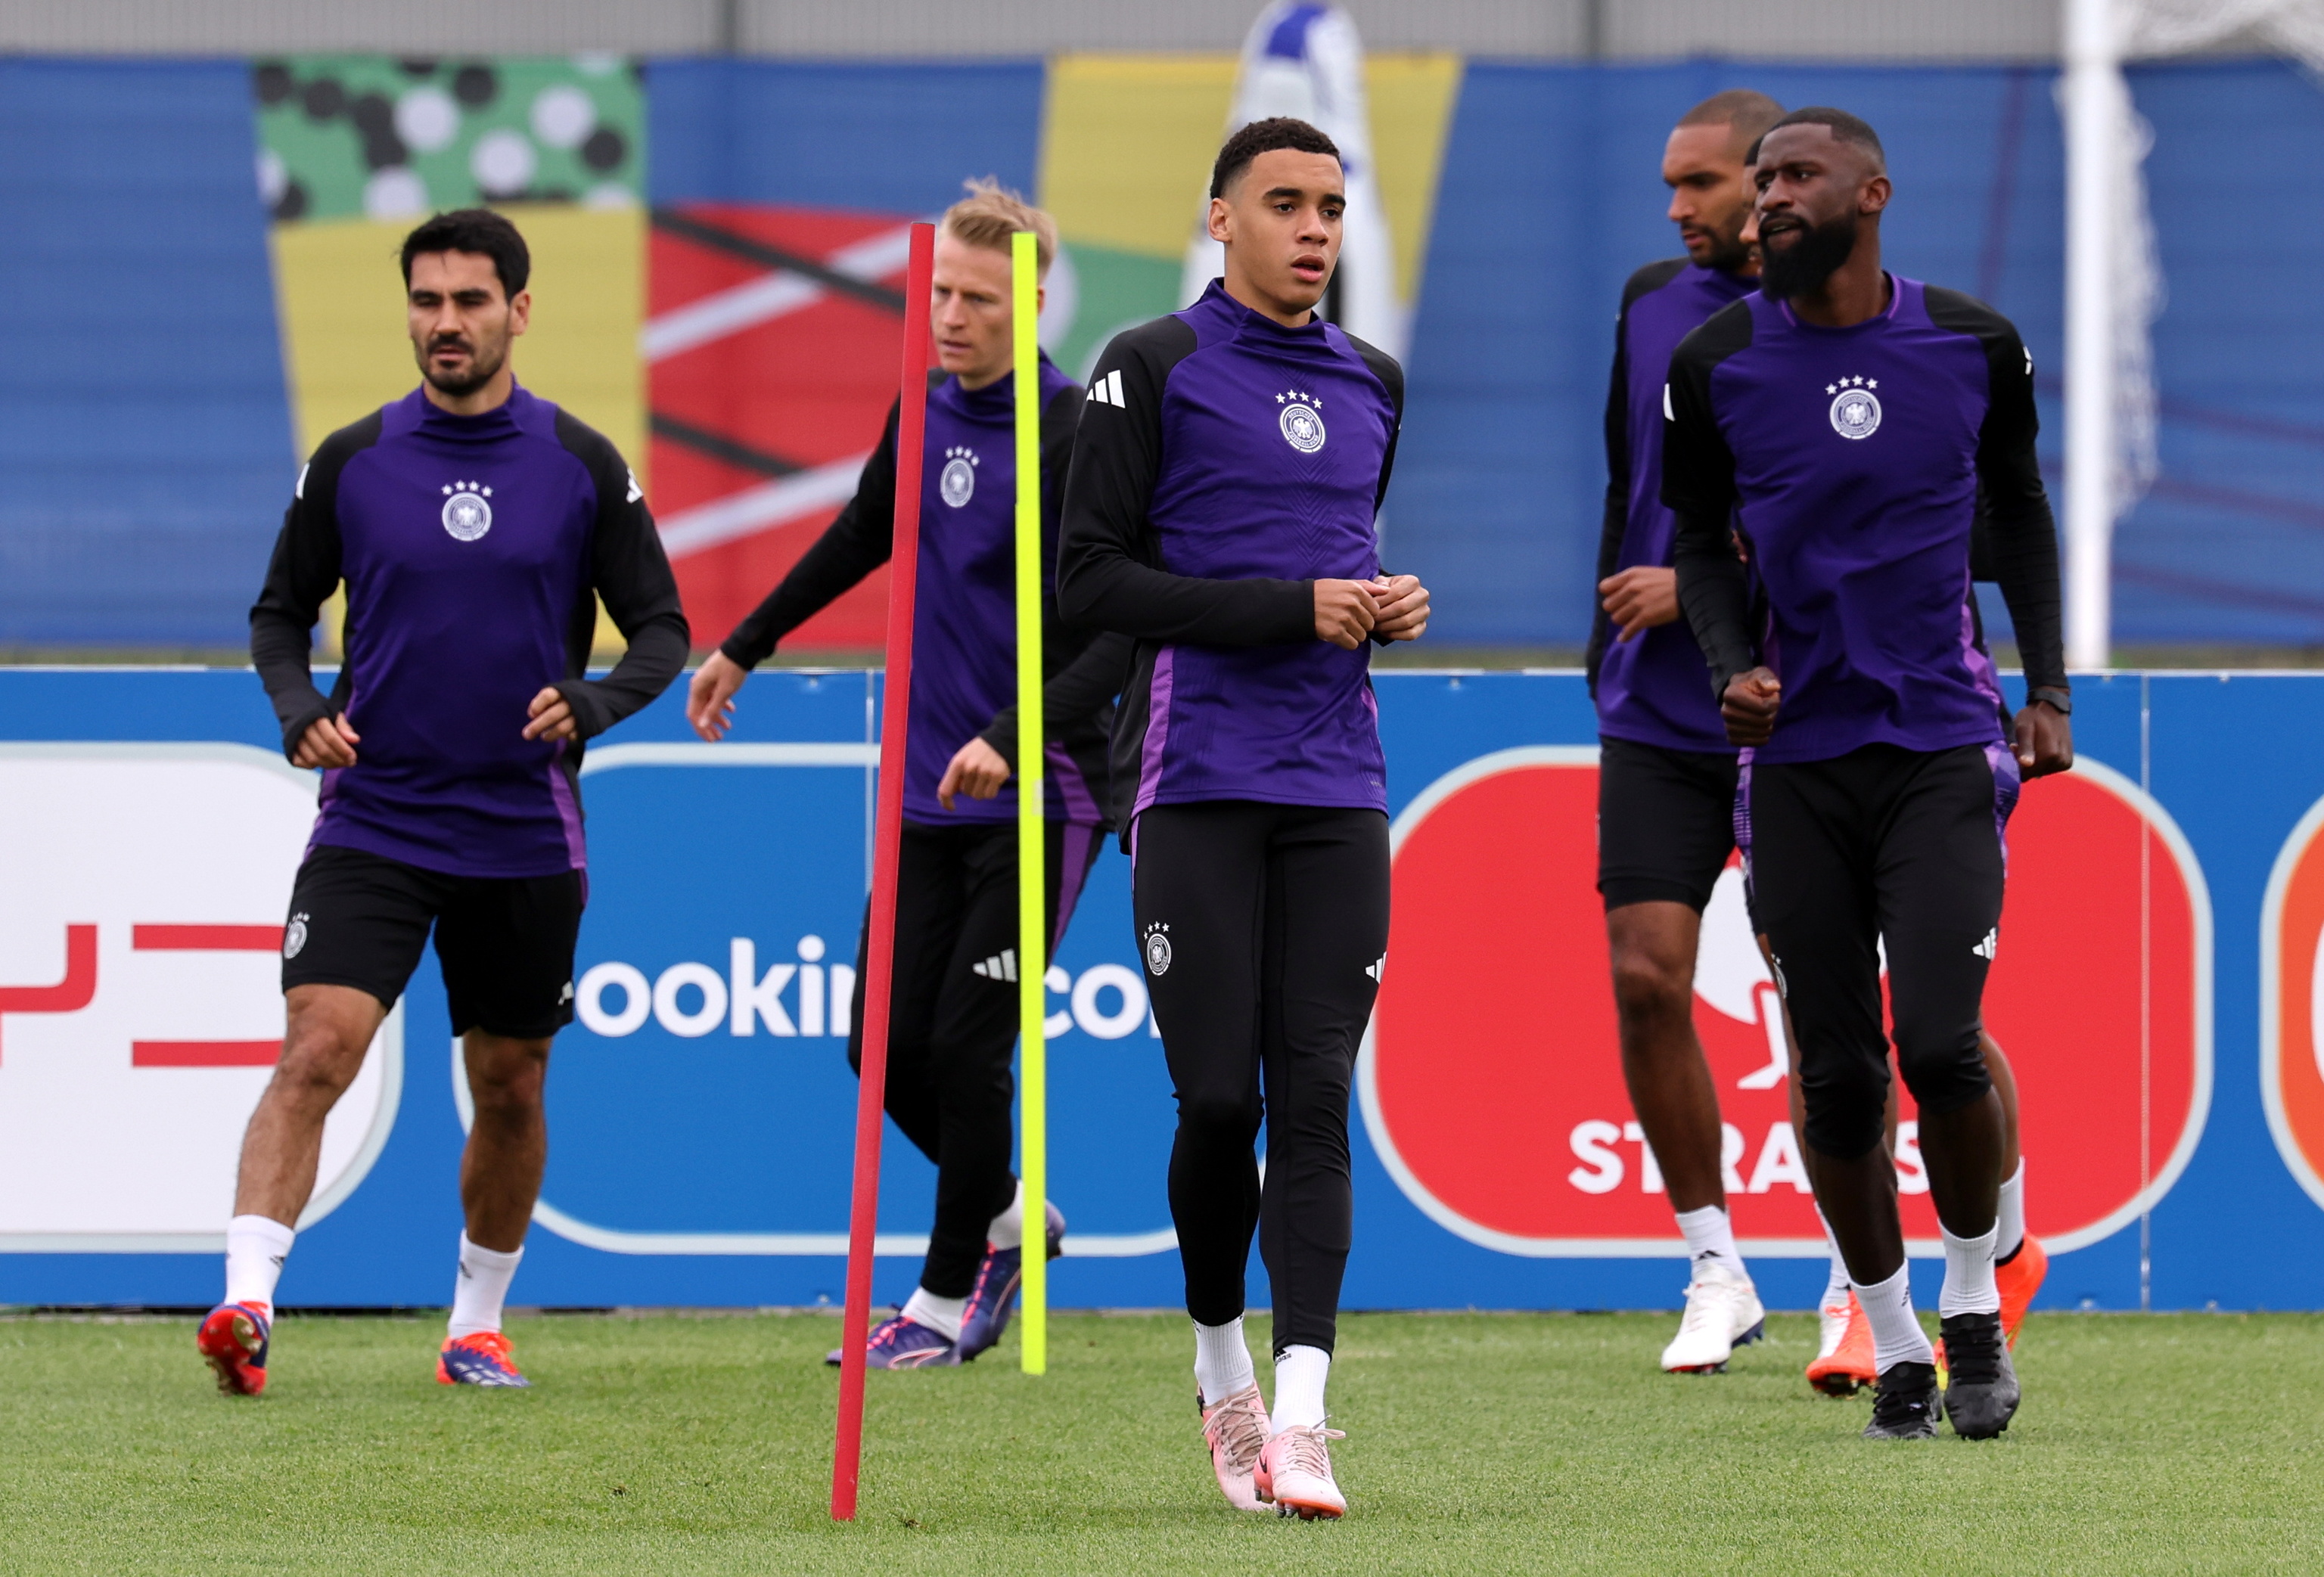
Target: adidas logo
{"type": "Point", "coordinates": [1001, 966]}
{"type": "Point", "coordinates": [1378, 969]}
{"type": "Point", "coordinates": [1987, 948]}
{"type": "Point", "coordinates": [1107, 391]}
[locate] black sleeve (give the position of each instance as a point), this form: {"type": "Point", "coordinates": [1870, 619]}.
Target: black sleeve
{"type": "Point", "coordinates": [1699, 486]}
{"type": "Point", "coordinates": [1386, 368]}
{"type": "Point", "coordinates": [2022, 536]}
{"type": "Point", "coordinates": [1614, 522]}
{"type": "Point", "coordinates": [1390, 373]}
{"type": "Point", "coordinates": [629, 571]}
{"type": "Point", "coordinates": [301, 576]}
{"type": "Point", "coordinates": [1109, 559]}
{"type": "Point", "coordinates": [1082, 672]}
{"type": "Point", "coordinates": [1074, 693]}
{"type": "Point", "coordinates": [851, 548]}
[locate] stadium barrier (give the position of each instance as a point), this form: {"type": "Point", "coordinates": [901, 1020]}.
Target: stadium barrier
{"type": "Point", "coordinates": [2157, 985]}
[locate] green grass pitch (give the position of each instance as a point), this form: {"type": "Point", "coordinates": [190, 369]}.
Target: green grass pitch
{"type": "Point", "coordinates": [1477, 1443]}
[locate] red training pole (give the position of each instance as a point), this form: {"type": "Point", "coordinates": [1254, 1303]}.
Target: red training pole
{"type": "Point", "coordinates": [879, 962]}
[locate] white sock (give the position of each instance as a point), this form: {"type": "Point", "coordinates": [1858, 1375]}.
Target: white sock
{"type": "Point", "coordinates": [1835, 1284]}
{"type": "Point", "coordinates": [1299, 1375]}
{"type": "Point", "coordinates": [1708, 1233]}
{"type": "Point", "coordinates": [941, 1315]}
{"type": "Point", "coordinates": [1221, 1360]}
{"type": "Point", "coordinates": [255, 1248]}
{"type": "Point", "coordinates": [1897, 1334]}
{"type": "Point", "coordinates": [1008, 1227]}
{"type": "Point", "coordinates": [481, 1288]}
{"type": "Point", "coordinates": [1969, 1287]}
{"type": "Point", "coordinates": [2011, 1222]}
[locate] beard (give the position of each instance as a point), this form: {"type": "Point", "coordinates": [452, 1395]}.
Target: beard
{"type": "Point", "coordinates": [1729, 254]}
{"type": "Point", "coordinates": [484, 363]}
{"type": "Point", "coordinates": [1809, 260]}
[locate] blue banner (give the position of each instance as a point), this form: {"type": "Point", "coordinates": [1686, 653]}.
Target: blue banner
{"type": "Point", "coordinates": [2156, 989]}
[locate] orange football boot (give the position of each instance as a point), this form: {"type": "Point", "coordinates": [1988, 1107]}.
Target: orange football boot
{"type": "Point", "coordinates": [2018, 1281]}
{"type": "Point", "coordinates": [1844, 1363]}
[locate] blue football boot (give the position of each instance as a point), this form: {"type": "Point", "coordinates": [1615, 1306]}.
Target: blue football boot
{"type": "Point", "coordinates": [479, 1359]}
{"type": "Point", "coordinates": [897, 1342]}
{"type": "Point", "coordinates": [998, 1278]}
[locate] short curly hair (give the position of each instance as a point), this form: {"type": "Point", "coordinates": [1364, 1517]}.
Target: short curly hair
{"type": "Point", "coordinates": [1267, 136]}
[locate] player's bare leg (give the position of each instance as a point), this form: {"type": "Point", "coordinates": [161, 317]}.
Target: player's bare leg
{"type": "Point", "coordinates": [508, 1147]}
{"type": "Point", "coordinates": [2020, 1262]}
{"type": "Point", "coordinates": [1653, 948]}
{"type": "Point", "coordinates": [1652, 945]}
{"type": "Point", "coordinates": [500, 1179]}
{"type": "Point", "coordinates": [328, 1029]}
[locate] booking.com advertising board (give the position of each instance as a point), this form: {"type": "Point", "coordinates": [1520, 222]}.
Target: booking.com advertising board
{"type": "Point", "coordinates": [2159, 986]}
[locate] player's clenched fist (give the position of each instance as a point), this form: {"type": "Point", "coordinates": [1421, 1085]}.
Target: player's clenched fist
{"type": "Point", "coordinates": [1345, 613]}
{"type": "Point", "coordinates": [1748, 707]}
{"type": "Point", "coordinates": [328, 742]}
{"type": "Point", "coordinates": [1399, 608]}
{"type": "Point", "coordinates": [2043, 741]}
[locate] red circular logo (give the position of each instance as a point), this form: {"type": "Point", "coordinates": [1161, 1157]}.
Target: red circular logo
{"type": "Point", "coordinates": [1492, 1082]}
{"type": "Point", "coordinates": [2291, 1002]}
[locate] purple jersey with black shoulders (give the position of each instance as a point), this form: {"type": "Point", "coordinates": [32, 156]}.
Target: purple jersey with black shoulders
{"type": "Point", "coordinates": [1224, 463]}
{"type": "Point", "coordinates": [964, 622]}
{"type": "Point", "coordinates": [964, 612]}
{"type": "Point", "coordinates": [1849, 462]}
{"type": "Point", "coordinates": [1654, 688]}
{"type": "Point", "coordinates": [473, 550]}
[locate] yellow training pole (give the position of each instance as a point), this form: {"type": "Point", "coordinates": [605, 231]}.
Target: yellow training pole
{"type": "Point", "coordinates": [1032, 806]}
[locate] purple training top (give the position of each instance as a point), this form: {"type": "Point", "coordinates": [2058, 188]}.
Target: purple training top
{"type": "Point", "coordinates": [473, 549]}
{"type": "Point", "coordinates": [1850, 461]}
{"type": "Point", "coordinates": [1224, 464]}
{"type": "Point", "coordinates": [965, 622]}
{"type": "Point", "coordinates": [965, 615]}
{"type": "Point", "coordinates": [1652, 689]}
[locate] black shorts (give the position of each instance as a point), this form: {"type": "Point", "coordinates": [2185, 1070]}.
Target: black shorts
{"type": "Point", "coordinates": [1883, 846]}
{"type": "Point", "coordinates": [1665, 823]}
{"type": "Point", "coordinates": [505, 944]}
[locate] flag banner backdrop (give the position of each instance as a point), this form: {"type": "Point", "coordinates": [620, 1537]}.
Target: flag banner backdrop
{"type": "Point", "coordinates": [716, 278]}
{"type": "Point", "coordinates": [2155, 984]}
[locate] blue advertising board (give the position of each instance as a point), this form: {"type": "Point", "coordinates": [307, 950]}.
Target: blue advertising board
{"type": "Point", "coordinates": [701, 1107]}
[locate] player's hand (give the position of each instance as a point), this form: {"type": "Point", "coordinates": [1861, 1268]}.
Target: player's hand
{"type": "Point", "coordinates": [1343, 613]}
{"type": "Point", "coordinates": [328, 742]}
{"type": "Point", "coordinates": [552, 716]}
{"type": "Point", "coordinates": [710, 698]}
{"type": "Point", "coordinates": [976, 770]}
{"type": "Point", "coordinates": [1748, 707]}
{"type": "Point", "coordinates": [1639, 598]}
{"type": "Point", "coordinates": [2043, 741]}
{"type": "Point", "coordinates": [1400, 606]}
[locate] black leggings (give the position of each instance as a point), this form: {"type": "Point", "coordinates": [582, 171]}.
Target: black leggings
{"type": "Point", "coordinates": [952, 1020]}
{"type": "Point", "coordinates": [1882, 844]}
{"type": "Point", "coordinates": [1263, 929]}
